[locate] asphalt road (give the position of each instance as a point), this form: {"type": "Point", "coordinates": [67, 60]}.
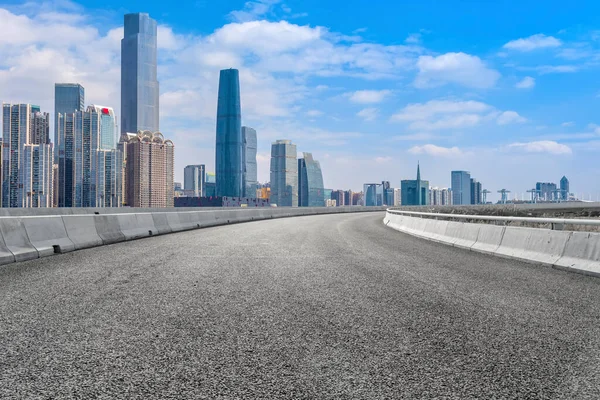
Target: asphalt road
{"type": "Point", "coordinates": [320, 307]}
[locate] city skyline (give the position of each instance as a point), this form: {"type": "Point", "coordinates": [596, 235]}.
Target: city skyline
{"type": "Point", "coordinates": [501, 115]}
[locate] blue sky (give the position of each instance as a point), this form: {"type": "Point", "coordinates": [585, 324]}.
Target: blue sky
{"type": "Point", "coordinates": [507, 90]}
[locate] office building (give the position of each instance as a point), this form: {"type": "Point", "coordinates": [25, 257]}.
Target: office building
{"type": "Point", "coordinates": [476, 189]}
{"type": "Point", "coordinates": [284, 174]}
{"type": "Point", "coordinates": [90, 172]}
{"type": "Point", "coordinates": [68, 98]}
{"type": "Point", "coordinates": [415, 192]}
{"type": "Point", "coordinates": [310, 182]}
{"type": "Point", "coordinates": [461, 187]}
{"type": "Point", "coordinates": [397, 196]}
{"type": "Point", "coordinates": [210, 185]}
{"type": "Point", "coordinates": [388, 194]}
{"type": "Point", "coordinates": [327, 193]}
{"type": "Point", "coordinates": [338, 196]}
{"type": "Point", "coordinates": [194, 180]}
{"type": "Point", "coordinates": [564, 189]}
{"type": "Point", "coordinates": [229, 148]}
{"type": "Point", "coordinates": [373, 194]}
{"type": "Point", "coordinates": [27, 157]}
{"type": "Point", "coordinates": [348, 197]}
{"type": "Point", "coordinates": [546, 191]}
{"type": "Point", "coordinates": [250, 177]}
{"type": "Point", "coordinates": [263, 191]}
{"type": "Point", "coordinates": [139, 84]}
{"type": "Point", "coordinates": [150, 170]}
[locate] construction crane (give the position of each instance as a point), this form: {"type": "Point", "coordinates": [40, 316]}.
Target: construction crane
{"type": "Point", "coordinates": [534, 195]}
{"type": "Point", "coordinates": [503, 195]}
{"type": "Point", "coordinates": [484, 193]}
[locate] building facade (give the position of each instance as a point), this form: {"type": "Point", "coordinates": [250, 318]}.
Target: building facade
{"type": "Point", "coordinates": [68, 98]}
{"type": "Point", "coordinates": [564, 188]}
{"type": "Point", "coordinates": [546, 191]}
{"type": "Point", "coordinates": [150, 170]}
{"type": "Point", "coordinates": [476, 191]}
{"type": "Point", "coordinates": [310, 182]}
{"type": "Point", "coordinates": [415, 192]}
{"type": "Point", "coordinates": [373, 194]}
{"type": "Point", "coordinates": [250, 176]}
{"type": "Point", "coordinates": [194, 180]}
{"type": "Point", "coordinates": [284, 174]}
{"type": "Point", "coordinates": [339, 198]}
{"type": "Point", "coordinates": [229, 146]}
{"type": "Point", "coordinates": [139, 84]}
{"type": "Point", "coordinates": [461, 187]}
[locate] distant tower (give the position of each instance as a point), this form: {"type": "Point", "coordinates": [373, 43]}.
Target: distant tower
{"type": "Point", "coordinates": [229, 148]}
{"type": "Point", "coordinates": [139, 84]}
{"type": "Point", "coordinates": [284, 174]}
{"type": "Point", "coordinates": [461, 187]}
{"type": "Point", "coordinates": [564, 188]}
{"type": "Point", "coordinates": [249, 161]}
{"type": "Point", "coordinates": [310, 182]}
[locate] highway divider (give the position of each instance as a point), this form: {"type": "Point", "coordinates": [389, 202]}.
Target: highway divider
{"type": "Point", "coordinates": [576, 251]}
{"type": "Point", "coordinates": [26, 237]}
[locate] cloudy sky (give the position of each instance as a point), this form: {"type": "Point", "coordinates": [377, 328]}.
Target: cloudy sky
{"type": "Point", "coordinates": [509, 91]}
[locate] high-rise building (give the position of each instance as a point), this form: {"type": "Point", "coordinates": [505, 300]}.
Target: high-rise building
{"type": "Point", "coordinates": [546, 191]}
{"type": "Point", "coordinates": [139, 84]}
{"type": "Point", "coordinates": [90, 171]}
{"type": "Point", "coordinates": [310, 182]}
{"type": "Point", "coordinates": [388, 194]}
{"type": "Point", "coordinates": [284, 174]}
{"type": "Point", "coordinates": [68, 98]}
{"type": "Point", "coordinates": [397, 196]}
{"type": "Point", "coordinates": [461, 187]}
{"type": "Point", "coordinates": [373, 194]}
{"type": "Point", "coordinates": [338, 196]}
{"type": "Point", "coordinates": [230, 146]}
{"type": "Point", "coordinates": [348, 197]}
{"type": "Point", "coordinates": [194, 180]}
{"type": "Point", "coordinates": [150, 170]}
{"type": "Point", "coordinates": [250, 177]}
{"type": "Point", "coordinates": [27, 178]}
{"type": "Point", "coordinates": [415, 192]}
{"type": "Point", "coordinates": [40, 128]}
{"type": "Point", "coordinates": [476, 189]}
{"type": "Point", "coordinates": [564, 189]}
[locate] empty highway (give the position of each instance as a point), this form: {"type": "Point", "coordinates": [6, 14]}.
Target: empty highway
{"type": "Point", "coordinates": [319, 307]}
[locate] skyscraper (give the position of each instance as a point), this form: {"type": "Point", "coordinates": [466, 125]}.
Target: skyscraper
{"type": "Point", "coordinates": [373, 194]}
{"type": "Point", "coordinates": [284, 174]}
{"type": "Point", "coordinates": [546, 191]}
{"type": "Point", "coordinates": [415, 192]}
{"type": "Point", "coordinates": [150, 172]}
{"type": "Point", "coordinates": [310, 182]}
{"type": "Point", "coordinates": [139, 84]}
{"type": "Point", "coordinates": [194, 180]}
{"type": "Point", "coordinates": [461, 187]}
{"type": "Point", "coordinates": [229, 148]}
{"type": "Point", "coordinates": [26, 164]}
{"type": "Point", "coordinates": [68, 98]}
{"type": "Point", "coordinates": [476, 189]}
{"type": "Point", "coordinates": [564, 189]}
{"type": "Point", "coordinates": [249, 161]}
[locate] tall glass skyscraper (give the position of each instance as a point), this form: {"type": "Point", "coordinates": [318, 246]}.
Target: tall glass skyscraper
{"type": "Point", "coordinates": [139, 84]}
{"type": "Point", "coordinates": [564, 189]}
{"type": "Point", "coordinates": [229, 149]}
{"type": "Point", "coordinates": [68, 98]}
{"type": "Point", "coordinates": [461, 187]}
{"type": "Point", "coordinates": [194, 180]}
{"type": "Point", "coordinates": [249, 162]}
{"type": "Point", "coordinates": [284, 174]}
{"type": "Point", "coordinates": [310, 182]}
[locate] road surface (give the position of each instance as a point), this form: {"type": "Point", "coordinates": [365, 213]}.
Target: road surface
{"type": "Point", "coordinates": [319, 307]}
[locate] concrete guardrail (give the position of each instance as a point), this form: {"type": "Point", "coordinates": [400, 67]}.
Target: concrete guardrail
{"type": "Point", "coordinates": [24, 236]}
{"type": "Point", "coordinates": [576, 251]}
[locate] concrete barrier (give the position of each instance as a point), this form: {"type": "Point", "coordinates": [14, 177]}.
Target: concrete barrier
{"type": "Point", "coordinates": [533, 244]}
{"type": "Point", "coordinates": [135, 226]}
{"type": "Point", "coordinates": [16, 239]}
{"type": "Point", "coordinates": [6, 256]}
{"type": "Point", "coordinates": [81, 229]}
{"type": "Point", "coordinates": [161, 223]}
{"type": "Point", "coordinates": [576, 251]}
{"type": "Point", "coordinates": [48, 235]}
{"type": "Point", "coordinates": [488, 239]}
{"type": "Point", "coordinates": [461, 234]}
{"type": "Point", "coordinates": [582, 252]}
{"type": "Point", "coordinates": [109, 229]}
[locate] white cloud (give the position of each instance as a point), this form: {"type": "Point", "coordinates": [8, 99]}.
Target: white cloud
{"type": "Point", "coordinates": [458, 68]}
{"type": "Point", "coordinates": [314, 113]}
{"type": "Point", "coordinates": [253, 10]}
{"type": "Point", "coordinates": [368, 96]}
{"type": "Point", "coordinates": [413, 38]}
{"type": "Point", "coordinates": [443, 114]}
{"type": "Point", "coordinates": [510, 117]}
{"type": "Point", "coordinates": [526, 83]}
{"type": "Point", "coordinates": [436, 151]}
{"type": "Point", "coordinates": [368, 114]}
{"type": "Point", "coordinates": [533, 42]}
{"type": "Point", "coordinates": [544, 146]}
{"type": "Point", "coordinates": [557, 69]}
{"type": "Point", "coordinates": [383, 160]}
{"type": "Point", "coordinates": [567, 124]}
